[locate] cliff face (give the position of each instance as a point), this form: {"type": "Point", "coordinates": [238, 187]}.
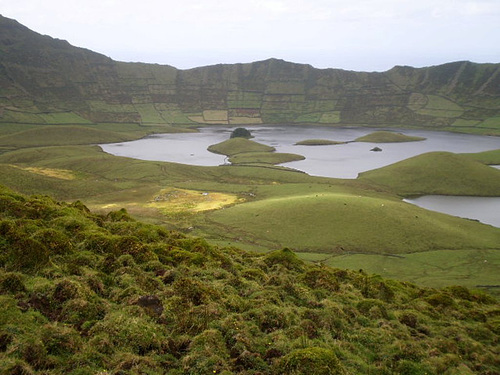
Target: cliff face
{"type": "Point", "coordinates": [45, 80]}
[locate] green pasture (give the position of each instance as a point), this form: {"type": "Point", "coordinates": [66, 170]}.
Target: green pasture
{"type": "Point", "coordinates": [491, 123]}
{"type": "Point", "coordinates": [337, 223]}
{"type": "Point", "coordinates": [437, 173]}
{"type": "Point", "coordinates": [487, 157]}
{"type": "Point", "coordinates": [439, 106]}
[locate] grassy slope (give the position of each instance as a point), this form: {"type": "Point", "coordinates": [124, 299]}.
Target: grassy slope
{"type": "Point", "coordinates": [437, 173]}
{"type": "Point", "coordinates": [60, 135]}
{"type": "Point", "coordinates": [486, 157]}
{"type": "Point", "coordinates": [85, 294]}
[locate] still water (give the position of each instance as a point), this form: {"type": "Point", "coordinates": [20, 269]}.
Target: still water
{"type": "Point", "coordinates": [484, 209]}
{"type": "Point", "coordinates": [340, 161]}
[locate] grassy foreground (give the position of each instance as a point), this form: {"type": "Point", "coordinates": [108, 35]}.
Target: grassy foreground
{"type": "Point", "coordinates": [84, 294]}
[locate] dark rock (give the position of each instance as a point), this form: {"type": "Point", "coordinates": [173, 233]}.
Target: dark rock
{"type": "Point", "coordinates": [152, 304]}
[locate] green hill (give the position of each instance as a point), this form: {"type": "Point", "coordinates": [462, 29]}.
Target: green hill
{"type": "Point", "coordinates": [83, 294]}
{"type": "Point", "coordinates": [437, 173]}
{"type": "Point", "coordinates": [48, 81]}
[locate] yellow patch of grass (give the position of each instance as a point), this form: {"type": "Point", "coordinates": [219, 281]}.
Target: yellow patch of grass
{"type": "Point", "coordinates": [174, 200]}
{"type": "Point", "coordinates": [62, 174]}
{"type": "Point", "coordinates": [215, 115]}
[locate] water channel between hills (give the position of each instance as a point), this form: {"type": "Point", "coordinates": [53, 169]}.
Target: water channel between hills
{"type": "Point", "coordinates": [338, 161]}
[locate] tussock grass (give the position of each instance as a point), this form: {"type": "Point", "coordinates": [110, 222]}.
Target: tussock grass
{"type": "Point", "coordinates": [121, 296]}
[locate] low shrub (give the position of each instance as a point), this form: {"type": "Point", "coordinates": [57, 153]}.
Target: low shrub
{"type": "Point", "coordinates": [441, 300]}
{"type": "Point", "coordinates": [11, 282]}
{"type": "Point", "coordinates": [207, 354]}
{"type": "Point", "coordinates": [314, 360]}
{"type": "Point", "coordinates": [285, 258]}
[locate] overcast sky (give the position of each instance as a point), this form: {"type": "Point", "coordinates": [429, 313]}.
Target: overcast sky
{"type": "Point", "coordinates": [361, 35]}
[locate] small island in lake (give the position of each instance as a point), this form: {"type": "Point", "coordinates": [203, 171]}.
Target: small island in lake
{"type": "Point", "coordinates": [383, 136]}
{"type": "Point", "coordinates": [318, 142]}
{"type": "Point", "coordinates": [240, 150]}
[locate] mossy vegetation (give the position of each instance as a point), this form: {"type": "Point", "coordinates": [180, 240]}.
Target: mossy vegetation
{"type": "Point", "coordinates": [108, 294]}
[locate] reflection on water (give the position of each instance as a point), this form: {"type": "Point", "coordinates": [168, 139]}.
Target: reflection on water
{"type": "Point", "coordinates": [341, 161]}
{"type": "Point", "coordinates": [484, 209]}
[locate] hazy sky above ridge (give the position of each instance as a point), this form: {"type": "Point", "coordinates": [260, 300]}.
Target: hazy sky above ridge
{"type": "Point", "coordinates": [361, 35]}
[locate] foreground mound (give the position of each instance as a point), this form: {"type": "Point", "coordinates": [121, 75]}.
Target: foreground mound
{"type": "Point", "coordinates": [85, 294]}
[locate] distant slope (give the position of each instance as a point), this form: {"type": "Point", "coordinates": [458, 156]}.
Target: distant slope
{"type": "Point", "coordinates": [437, 173]}
{"type": "Point", "coordinates": [40, 76]}
{"type": "Point", "coordinates": [58, 136]}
